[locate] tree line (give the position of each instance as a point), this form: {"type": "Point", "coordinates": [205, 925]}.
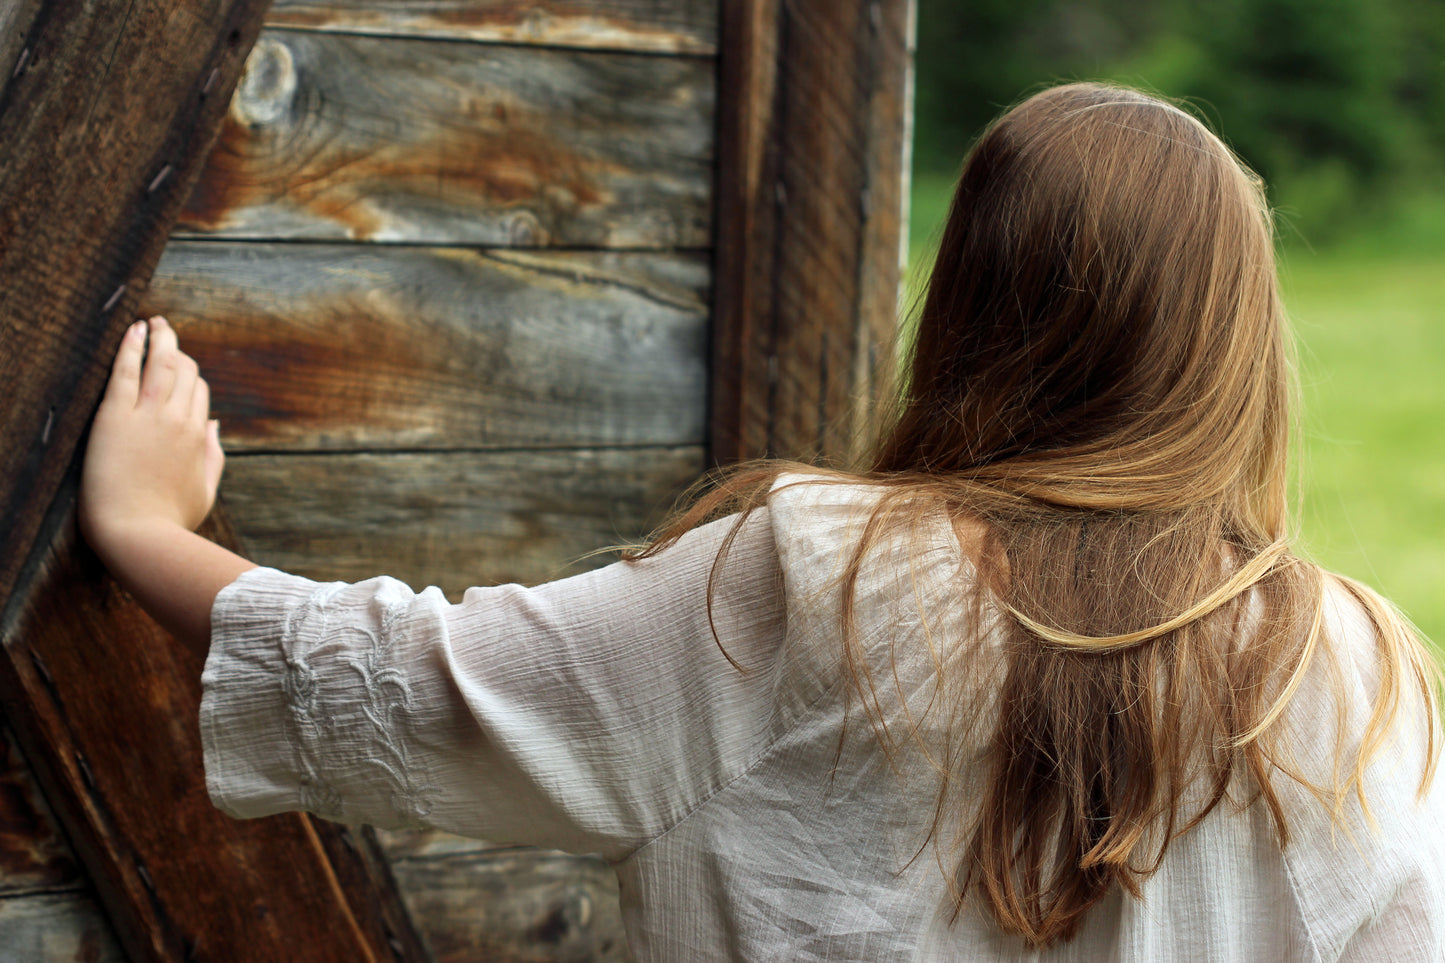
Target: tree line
{"type": "Point", "coordinates": [1336, 103]}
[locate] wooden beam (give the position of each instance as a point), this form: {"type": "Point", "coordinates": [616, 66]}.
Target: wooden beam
{"type": "Point", "coordinates": [812, 139]}
{"type": "Point", "coordinates": [105, 120]}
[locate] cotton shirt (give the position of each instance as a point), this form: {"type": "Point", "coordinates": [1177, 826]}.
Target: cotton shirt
{"type": "Point", "coordinates": [726, 766]}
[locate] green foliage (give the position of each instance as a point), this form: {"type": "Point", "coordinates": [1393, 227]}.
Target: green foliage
{"type": "Point", "coordinates": [1339, 104]}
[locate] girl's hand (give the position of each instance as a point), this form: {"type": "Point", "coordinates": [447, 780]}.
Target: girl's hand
{"type": "Point", "coordinates": [154, 458]}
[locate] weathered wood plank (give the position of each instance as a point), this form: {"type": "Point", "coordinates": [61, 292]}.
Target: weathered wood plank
{"type": "Point", "coordinates": [16, 19]}
{"type": "Point", "coordinates": [116, 705]}
{"type": "Point", "coordinates": [812, 139]}
{"type": "Point", "coordinates": [355, 346]}
{"type": "Point", "coordinates": [33, 854]}
{"type": "Point", "coordinates": [56, 928]}
{"type": "Point", "coordinates": [98, 154]}
{"type": "Point", "coordinates": [104, 130]}
{"type": "Point", "coordinates": [515, 905]}
{"type": "Point", "coordinates": [452, 519]}
{"type": "Point", "coordinates": [657, 26]}
{"type": "Point", "coordinates": [342, 137]}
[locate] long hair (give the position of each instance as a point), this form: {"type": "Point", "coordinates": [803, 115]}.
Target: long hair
{"type": "Point", "coordinates": [1101, 380]}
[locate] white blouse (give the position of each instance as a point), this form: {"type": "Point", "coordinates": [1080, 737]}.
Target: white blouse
{"type": "Point", "coordinates": [744, 819]}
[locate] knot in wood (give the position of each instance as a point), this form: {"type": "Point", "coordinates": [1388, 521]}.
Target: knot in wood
{"type": "Point", "coordinates": [268, 86]}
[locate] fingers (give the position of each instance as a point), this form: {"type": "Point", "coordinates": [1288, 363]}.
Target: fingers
{"type": "Point", "coordinates": [163, 363]}
{"type": "Point", "coordinates": [124, 385]}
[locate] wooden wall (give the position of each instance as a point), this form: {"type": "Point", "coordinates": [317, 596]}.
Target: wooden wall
{"type": "Point", "coordinates": [450, 272]}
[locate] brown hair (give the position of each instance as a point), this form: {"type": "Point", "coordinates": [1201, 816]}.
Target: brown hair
{"type": "Point", "coordinates": [1101, 378]}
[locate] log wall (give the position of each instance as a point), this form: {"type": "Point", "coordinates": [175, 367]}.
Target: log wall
{"type": "Point", "coordinates": [451, 273]}
{"type": "Point", "coordinates": [448, 273]}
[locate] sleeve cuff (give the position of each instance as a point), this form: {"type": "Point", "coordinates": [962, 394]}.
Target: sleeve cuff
{"type": "Point", "coordinates": [251, 750]}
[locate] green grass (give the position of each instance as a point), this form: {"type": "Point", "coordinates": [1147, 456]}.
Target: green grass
{"type": "Point", "coordinates": [1372, 369]}
{"type": "Point", "coordinates": [1368, 314]}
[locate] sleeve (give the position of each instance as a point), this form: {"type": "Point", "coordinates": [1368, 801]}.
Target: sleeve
{"type": "Point", "coordinates": [589, 714]}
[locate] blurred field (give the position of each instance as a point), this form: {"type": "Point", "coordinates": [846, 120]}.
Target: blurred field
{"type": "Point", "coordinates": [1369, 321]}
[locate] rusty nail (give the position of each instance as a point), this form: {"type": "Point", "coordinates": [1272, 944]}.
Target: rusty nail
{"type": "Point", "coordinates": [210, 81]}
{"type": "Point", "coordinates": [159, 179]}
{"type": "Point", "coordinates": [85, 773]}
{"type": "Point", "coordinates": [49, 423]}
{"type": "Point", "coordinates": [111, 302]}
{"type": "Point", "coordinates": [20, 64]}
{"type": "Point", "coordinates": [145, 876]}
{"type": "Point", "coordinates": [40, 665]}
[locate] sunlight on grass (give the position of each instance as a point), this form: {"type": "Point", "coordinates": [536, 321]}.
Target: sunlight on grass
{"type": "Point", "coordinates": [1373, 475]}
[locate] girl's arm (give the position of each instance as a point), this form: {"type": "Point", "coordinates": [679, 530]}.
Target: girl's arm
{"type": "Point", "coordinates": [150, 476]}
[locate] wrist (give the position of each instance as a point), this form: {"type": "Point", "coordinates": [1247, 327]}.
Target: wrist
{"type": "Point", "coordinates": [118, 541]}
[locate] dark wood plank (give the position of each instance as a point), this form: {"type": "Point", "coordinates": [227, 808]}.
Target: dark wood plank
{"type": "Point", "coordinates": [656, 26]}
{"type": "Point", "coordinates": [16, 19]}
{"type": "Point", "coordinates": [104, 130]}
{"type": "Point", "coordinates": [117, 708]}
{"type": "Point", "coordinates": [342, 137]}
{"type": "Point", "coordinates": [452, 519]}
{"type": "Point", "coordinates": [515, 905]}
{"type": "Point", "coordinates": [56, 928]}
{"type": "Point", "coordinates": [360, 346]}
{"type": "Point", "coordinates": [812, 139]}
{"type": "Point", "coordinates": [33, 853]}
{"type": "Point", "coordinates": [98, 153]}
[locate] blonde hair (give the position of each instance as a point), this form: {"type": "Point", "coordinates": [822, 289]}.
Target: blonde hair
{"type": "Point", "coordinates": [1101, 376]}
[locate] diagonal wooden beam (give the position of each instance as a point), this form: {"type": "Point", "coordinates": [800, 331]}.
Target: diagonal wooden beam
{"type": "Point", "coordinates": [107, 111]}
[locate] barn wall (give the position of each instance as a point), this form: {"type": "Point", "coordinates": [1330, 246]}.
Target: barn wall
{"type": "Point", "coordinates": [448, 272]}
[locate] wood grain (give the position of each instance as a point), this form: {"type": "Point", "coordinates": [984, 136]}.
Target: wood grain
{"type": "Point", "coordinates": [656, 26]}
{"type": "Point", "coordinates": [812, 140]}
{"type": "Point", "coordinates": [105, 127]}
{"type": "Point", "coordinates": [452, 519]}
{"type": "Point", "coordinates": [16, 19]}
{"type": "Point", "coordinates": [514, 904]}
{"type": "Point", "coordinates": [33, 853]}
{"type": "Point", "coordinates": [332, 137]}
{"type": "Point", "coordinates": [84, 211]}
{"type": "Point", "coordinates": [115, 702]}
{"type": "Point", "coordinates": [56, 928]}
{"type": "Point", "coordinates": [356, 346]}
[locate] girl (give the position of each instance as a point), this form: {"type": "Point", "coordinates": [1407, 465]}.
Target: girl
{"type": "Point", "coordinates": [1043, 682]}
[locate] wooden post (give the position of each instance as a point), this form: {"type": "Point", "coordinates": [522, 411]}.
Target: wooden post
{"type": "Point", "coordinates": [812, 121]}
{"type": "Point", "coordinates": [107, 111]}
